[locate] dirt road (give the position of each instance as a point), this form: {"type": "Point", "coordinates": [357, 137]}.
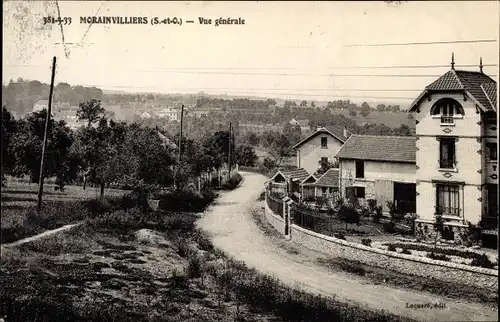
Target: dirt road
{"type": "Point", "coordinates": [232, 229]}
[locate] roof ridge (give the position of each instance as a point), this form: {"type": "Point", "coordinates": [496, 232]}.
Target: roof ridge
{"type": "Point", "coordinates": [458, 79]}
{"type": "Point", "coordinates": [385, 136]}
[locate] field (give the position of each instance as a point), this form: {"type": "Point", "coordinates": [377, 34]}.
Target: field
{"type": "Point", "coordinates": [19, 199]}
{"type": "Point", "coordinates": [392, 120]}
{"type": "Point", "coordinates": [131, 265]}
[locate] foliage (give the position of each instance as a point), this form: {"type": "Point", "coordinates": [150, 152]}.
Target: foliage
{"type": "Point", "coordinates": [378, 214]}
{"type": "Point", "coordinates": [91, 111]}
{"type": "Point", "coordinates": [391, 248]}
{"type": "Point", "coordinates": [391, 205]}
{"type": "Point", "coordinates": [389, 227]}
{"type": "Point", "coordinates": [339, 235]}
{"type": "Point", "coordinates": [26, 149]}
{"type": "Point", "coordinates": [482, 261]}
{"type": "Point", "coordinates": [233, 182]}
{"type": "Point", "coordinates": [185, 200]}
{"type": "Point", "coordinates": [366, 241]}
{"type": "Point", "coordinates": [349, 215]}
{"type": "Point", "coordinates": [439, 257]}
{"type": "Point", "coordinates": [320, 202]}
{"type": "Point", "coordinates": [9, 127]}
{"type": "Point", "coordinates": [245, 155]}
{"type": "Point", "coordinates": [405, 251]}
{"type": "Point", "coordinates": [438, 226]}
{"type": "Point", "coordinates": [324, 166]}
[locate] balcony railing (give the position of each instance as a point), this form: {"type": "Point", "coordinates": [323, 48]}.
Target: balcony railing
{"type": "Point", "coordinates": [448, 211]}
{"type": "Point", "coordinates": [447, 164]}
{"type": "Point", "coordinates": [445, 119]}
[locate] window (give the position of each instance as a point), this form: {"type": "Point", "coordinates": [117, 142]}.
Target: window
{"type": "Point", "coordinates": [330, 190]}
{"type": "Point", "coordinates": [448, 200]}
{"type": "Point", "coordinates": [323, 191]}
{"type": "Point", "coordinates": [448, 109]}
{"type": "Point", "coordinates": [447, 153]}
{"type": "Point", "coordinates": [359, 192]}
{"type": "Point", "coordinates": [492, 151]}
{"type": "Point", "coordinates": [324, 161]}
{"type": "Point", "coordinates": [324, 142]}
{"type": "Point", "coordinates": [360, 169]}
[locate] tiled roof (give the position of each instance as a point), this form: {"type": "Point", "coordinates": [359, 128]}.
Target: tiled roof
{"type": "Point", "coordinates": [298, 174]}
{"type": "Point", "coordinates": [329, 179]}
{"type": "Point", "coordinates": [336, 132]}
{"type": "Point", "coordinates": [490, 90]}
{"type": "Point", "coordinates": [379, 148]}
{"type": "Point", "coordinates": [472, 83]}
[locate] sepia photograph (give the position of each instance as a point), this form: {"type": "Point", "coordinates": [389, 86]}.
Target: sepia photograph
{"type": "Point", "coordinates": [229, 161]}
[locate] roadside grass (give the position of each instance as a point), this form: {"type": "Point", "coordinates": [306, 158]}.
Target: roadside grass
{"type": "Point", "coordinates": [103, 271]}
{"type": "Point", "coordinates": [378, 275]}
{"type": "Point", "coordinates": [20, 218]}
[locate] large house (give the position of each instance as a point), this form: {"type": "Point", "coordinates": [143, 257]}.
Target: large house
{"type": "Point", "coordinates": [380, 168]}
{"type": "Point", "coordinates": [457, 163]}
{"type": "Point", "coordinates": [321, 145]}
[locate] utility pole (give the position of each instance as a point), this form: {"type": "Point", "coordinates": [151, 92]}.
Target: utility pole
{"type": "Point", "coordinates": [229, 154]}
{"type": "Point", "coordinates": [47, 122]}
{"type": "Point", "coordinates": [180, 147]}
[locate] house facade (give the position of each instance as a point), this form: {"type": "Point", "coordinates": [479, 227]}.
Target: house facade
{"type": "Point", "coordinates": [322, 145]}
{"type": "Point", "coordinates": [457, 163]}
{"type": "Point", "coordinates": [380, 168]}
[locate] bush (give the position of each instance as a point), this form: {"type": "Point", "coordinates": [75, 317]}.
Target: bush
{"type": "Point", "coordinates": [391, 248]}
{"type": "Point", "coordinates": [439, 257]}
{"type": "Point", "coordinates": [389, 227]}
{"type": "Point", "coordinates": [194, 269]}
{"type": "Point", "coordinates": [405, 251]}
{"type": "Point", "coordinates": [372, 205]}
{"type": "Point", "coordinates": [366, 242]}
{"type": "Point", "coordinates": [339, 235]}
{"type": "Point", "coordinates": [378, 214]}
{"type": "Point", "coordinates": [482, 261]}
{"type": "Point", "coordinates": [233, 182]}
{"type": "Point", "coordinates": [186, 200]}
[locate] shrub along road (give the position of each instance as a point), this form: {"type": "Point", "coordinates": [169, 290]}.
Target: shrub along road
{"type": "Point", "coordinates": [229, 223]}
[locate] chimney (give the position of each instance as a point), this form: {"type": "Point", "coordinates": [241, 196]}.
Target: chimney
{"type": "Point", "coordinates": [481, 64]}
{"type": "Point", "coordinates": [345, 131]}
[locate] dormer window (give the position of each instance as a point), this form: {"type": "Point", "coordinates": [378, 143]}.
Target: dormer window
{"type": "Point", "coordinates": [447, 110]}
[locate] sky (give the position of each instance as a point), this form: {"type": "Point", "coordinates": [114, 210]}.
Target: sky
{"type": "Point", "coordinates": [302, 50]}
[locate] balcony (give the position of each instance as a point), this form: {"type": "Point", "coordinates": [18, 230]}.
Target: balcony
{"type": "Point", "coordinates": [449, 165]}
{"type": "Point", "coordinates": [447, 120]}
{"type": "Point", "coordinates": [447, 212]}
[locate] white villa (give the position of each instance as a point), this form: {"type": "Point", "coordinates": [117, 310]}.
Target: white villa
{"type": "Point", "coordinates": [320, 145]}
{"type": "Point", "coordinates": [456, 159]}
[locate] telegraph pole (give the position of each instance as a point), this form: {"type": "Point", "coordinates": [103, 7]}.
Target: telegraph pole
{"type": "Point", "coordinates": [180, 147]}
{"type": "Point", "coordinates": [229, 154]}
{"type": "Point", "coordinates": [47, 122]}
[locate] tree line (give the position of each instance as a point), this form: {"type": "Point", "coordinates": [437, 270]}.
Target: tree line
{"type": "Point", "coordinates": [105, 152]}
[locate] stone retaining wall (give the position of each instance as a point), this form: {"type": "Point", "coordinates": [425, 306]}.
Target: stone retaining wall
{"type": "Point", "coordinates": [276, 221]}
{"type": "Point", "coordinates": [407, 264]}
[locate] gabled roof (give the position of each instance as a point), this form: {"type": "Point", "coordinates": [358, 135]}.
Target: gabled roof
{"type": "Point", "coordinates": [471, 83]}
{"type": "Point", "coordinates": [490, 90]}
{"type": "Point", "coordinates": [379, 148]}
{"type": "Point", "coordinates": [311, 176]}
{"type": "Point", "coordinates": [336, 132]}
{"type": "Point", "coordinates": [295, 174]}
{"type": "Point", "coordinates": [329, 179]}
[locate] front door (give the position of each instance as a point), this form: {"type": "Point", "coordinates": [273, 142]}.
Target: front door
{"type": "Point", "coordinates": [405, 197]}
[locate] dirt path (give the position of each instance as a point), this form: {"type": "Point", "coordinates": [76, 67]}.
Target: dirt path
{"type": "Point", "coordinates": [232, 229]}
{"type": "Point", "coordinates": [42, 235]}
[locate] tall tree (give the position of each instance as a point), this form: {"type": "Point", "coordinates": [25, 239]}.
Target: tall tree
{"type": "Point", "coordinates": [9, 126]}
{"type": "Point", "coordinates": [90, 111]}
